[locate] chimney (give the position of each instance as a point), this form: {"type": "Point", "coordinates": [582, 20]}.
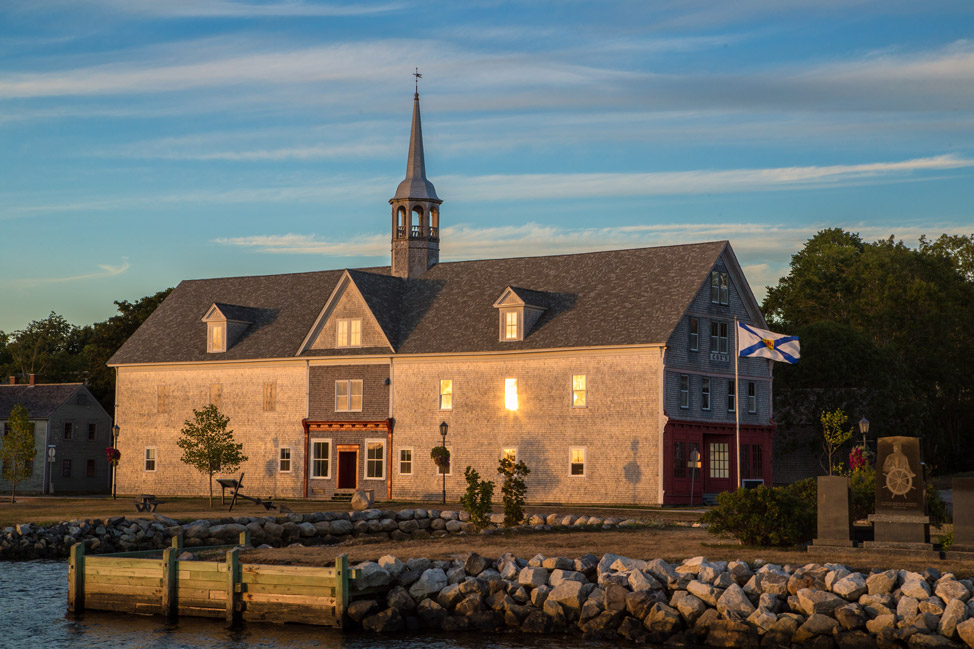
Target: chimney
{"type": "Point", "coordinates": [33, 379]}
{"type": "Point", "coordinates": [13, 380]}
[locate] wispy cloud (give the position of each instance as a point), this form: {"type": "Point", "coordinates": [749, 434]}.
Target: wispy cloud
{"type": "Point", "coordinates": [232, 8]}
{"type": "Point", "coordinates": [104, 271]}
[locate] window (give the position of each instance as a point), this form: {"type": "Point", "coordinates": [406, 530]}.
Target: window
{"type": "Point", "coordinates": [405, 461]}
{"type": "Point", "coordinates": [162, 398]}
{"type": "Point", "coordinates": [375, 455]}
{"type": "Point", "coordinates": [510, 325]}
{"type": "Point", "coordinates": [92, 431]}
{"type": "Point", "coordinates": [510, 394]}
{"type": "Point", "coordinates": [718, 287]}
{"type": "Point", "coordinates": [578, 391]}
{"type": "Point", "coordinates": [719, 460]}
{"type": "Point", "coordinates": [321, 459]}
{"type": "Point", "coordinates": [731, 395]}
{"type": "Point", "coordinates": [66, 468]}
{"type": "Point", "coordinates": [150, 459]}
{"type": "Point", "coordinates": [705, 393]}
{"type": "Point", "coordinates": [694, 334]}
{"type": "Point", "coordinates": [349, 333]}
{"type": "Point", "coordinates": [348, 396]}
{"type": "Point", "coordinates": [68, 429]}
{"type": "Point", "coordinates": [90, 469]}
{"type": "Point", "coordinates": [270, 396]}
{"type": "Point", "coordinates": [752, 397]}
{"type": "Point", "coordinates": [576, 457]}
{"type": "Point", "coordinates": [509, 454]}
{"type": "Point", "coordinates": [216, 338]}
{"type": "Point", "coordinates": [216, 395]}
{"type": "Point", "coordinates": [284, 459]}
{"type": "Point", "coordinates": [751, 460]}
{"type": "Point", "coordinates": [446, 394]}
{"type": "Point", "coordinates": [718, 338]}
{"type": "Point", "coordinates": [679, 459]}
{"type": "Point", "coordinates": [684, 391]}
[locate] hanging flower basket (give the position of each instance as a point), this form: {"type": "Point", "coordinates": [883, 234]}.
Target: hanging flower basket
{"type": "Point", "coordinates": [113, 455]}
{"type": "Point", "coordinates": [441, 456]}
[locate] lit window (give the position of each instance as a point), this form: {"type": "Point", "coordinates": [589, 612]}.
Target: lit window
{"type": "Point", "coordinates": [68, 430]}
{"type": "Point", "coordinates": [752, 397]}
{"type": "Point", "coordinates": [270, 396]}
{"type": "Point", "coordinates": [150, 459]}
{"type": "Point", "coordinates": [510, 394]}
{"type": "Point", "coordinates": [694, 334]}
{"type": "Point", "coordinates": [578, 391]}
{"type": "Point", "coordinates": [719, 460]}
{"type": "Point", "coordinates": [284, 460]}
{"type": "Point", "coordinates": [356, 333]}
{"type": "Point", "coordinates": [348, 332]}
{"type": "Point", "coordinates": [321, 459]}
{"type": "Point", "coordinates": [705, 393]}
{"type": "Point", "coordinates": [684, 391]}
{"type": "Point", "coordinates": [510, 325]}
{"type": "Point", "coordinates": [718, 337]}
{"type": "Point", "coordinates": [348, 396]}
{"type": "Point", "coordinates": [577, 459]}
{"type": "Point", "coordinates": [718, 288]}
{"type": "Point", "coordinates": [731, 395]}
{"type": "Point", "coordinates": [216, 341]}
{"type": "Point", "coordinates": [375, 453]}
{"type": "Point", "coordinates": [405, 461]}
{"type": "Point", "coordinates": [446, 394]}
{"type": "Point", "coordinates": [510, 454]}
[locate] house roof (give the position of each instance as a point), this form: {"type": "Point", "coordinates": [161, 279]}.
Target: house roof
{"type": "Point", "coordinates": [620, 297]}
{"type": "Point", "coordinates": [40, 400]}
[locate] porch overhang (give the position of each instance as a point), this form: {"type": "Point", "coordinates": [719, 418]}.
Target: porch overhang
{"type": "Point", "coordinates": [324, 426]}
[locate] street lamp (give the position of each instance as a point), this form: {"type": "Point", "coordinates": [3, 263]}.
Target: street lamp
{"type": "Point", "coordinates": [443, 428]}
{"type": "Point", "coordinates": [864, 429]}
{"type": "Point", "coordinates": [115, 431]}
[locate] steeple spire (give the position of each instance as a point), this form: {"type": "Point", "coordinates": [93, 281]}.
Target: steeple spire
{"type": "Point", "coordinates": [415, 185]}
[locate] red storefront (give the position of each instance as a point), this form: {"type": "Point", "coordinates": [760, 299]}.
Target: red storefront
{"type": "Point", "coordinates": [718, 467]}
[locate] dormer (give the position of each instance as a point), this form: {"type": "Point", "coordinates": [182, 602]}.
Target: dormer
{"type": "Point", "coordinates": [519, 310]}
{"type": "Point", "coordinates": [224, 325]}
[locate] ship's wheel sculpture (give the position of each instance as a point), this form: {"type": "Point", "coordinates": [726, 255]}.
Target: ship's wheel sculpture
{"type": "Point", "coordinates": [899, 481]}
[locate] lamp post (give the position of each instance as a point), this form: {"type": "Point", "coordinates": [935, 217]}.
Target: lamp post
{"type": "Point", "coordinates": [443, 428]}
{"type": "Point", "coordinates": [864, 429]}
{"type": "Point", "coordinates": [115, 431]}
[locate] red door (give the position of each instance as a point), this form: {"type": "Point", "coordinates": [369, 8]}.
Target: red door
{"type": "Point", "coordinates": [347, 468]}
{"type": "Point", "coordinates": [717, 469]}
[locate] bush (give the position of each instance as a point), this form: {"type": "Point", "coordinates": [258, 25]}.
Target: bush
{"type": "Point", "coordinates": [778, 516]}
{"type": "Point", "coordinates": [476, 501]}
{"type": "Point", "coordinates": [514, 490]}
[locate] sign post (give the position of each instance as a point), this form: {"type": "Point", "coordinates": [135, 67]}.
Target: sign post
{"type": "Point", "coordinates": [694, 464]}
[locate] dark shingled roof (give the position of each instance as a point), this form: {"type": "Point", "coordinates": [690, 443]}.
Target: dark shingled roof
{"type": "Point", "coordinates": [620, 297]}
{"type": "Point", "coordinates": [40, 400]}
{"type": "Point", "coordinates": [238, 313]}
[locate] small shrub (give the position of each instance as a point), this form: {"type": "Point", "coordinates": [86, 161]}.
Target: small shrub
{"type": "Point", "coordinates": [514, 490]}
{"type": "Point", "coordinates": [946, 540]}
{"type": "Point", "coordinates": [862, 484]}
{"type": "Point", "coordinates": [776, 516]}
{"type": "Point", "coordinates": [476, 501]}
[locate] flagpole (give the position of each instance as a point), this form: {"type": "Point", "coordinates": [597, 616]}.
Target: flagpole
{"type": "Point", "coordinates": [737, 406]}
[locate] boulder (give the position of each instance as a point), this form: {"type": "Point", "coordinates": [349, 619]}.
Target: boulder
{"type": "Point", "coordinates": [965, 631]}
{"type": "Point", "coordinates": [850, 616]}
{"type": "Point", "coordinates": [880, 622]}
{"type": "Point", "coordinates": [762, 620]}
{"type": "Point", "coordinates": [933, 605]}
{"type": "Point", "coordinates": [474, 564]}
{"type": "Point", "coordinates": [469, 604]}
{"type": "Point", "coordinates": [449, 596]}
{"type": "Point", "coordinates": [557, 563]}
{"type": "Point", "coordinates": [663, 619]}
{"type": "Point", "coordinates": [399, 598]}
{"type": "Point", "coordinates": [392, 565]}
{"type": "Point", "coordinates": [916, 588]}
{"type": "Point", "coordinates": [734, 600]}
{"type": "Point", "coordinates": [954, 614]}
{"type": "Point", "coordinates": [851, 587]}
{"type": "Point", "coordinates": [431, 581]}
{"type": "Point", "coordinates": [740, 571]}
{"type": "Point", "coordinates": [339, 527]}
{"type": "Point", "coordinates": [555, 612]}
{"type": "Point", "coordinates": [602, 625]}
{"type": "Point", "coordinates": [539, 595]}
{"type": "Point", "coordinates": [724, 633]}
{"type": "Point", "coordinates": [532, 577]}
{"type": "Point", "coordinates": [614, 597]}
{"type": "Point", "coordinates": [855, 640]}
{"type": "Point", "coordinates": [880, 583]}
{"type": "Point", "coordinates": [639, 604]}
{"type": "Point", "coordinates": [689, 606]}
{"type": "Point", "coordinates": [371, 575]}
{"type": "Point", "coordinates": [359, 609]}
{"type": "Point", "coordinates": [558, 576]}
{"type": "Point", "coordinates": [907, 607]}
{"type": "Point", "coordinates": [816, 624]}
{"type": "Point", "coordinates": [569, 593]}
{"type": "Point", "coordinates": [948, 589]}
{"type": "Point", "coordinates": [431, 613]}
{"type": "Point", "coordinates": [537, 622]}
{"type": "Point", "coordinates": [361, 500]}
{"type": "Point", "coordinates": [818, 601]}
{"type": "Point", "coordinates": [663, 571]}
{"type": "Point", "coordinates": [705, 592]}
{"type": "Point", "coordinates": [639, 580]}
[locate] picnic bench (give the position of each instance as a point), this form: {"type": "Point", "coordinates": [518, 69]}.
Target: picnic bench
{"type": "Point", "coordinates": [237, 485]}
{"type": "Point", "coordinates": [147, 503]}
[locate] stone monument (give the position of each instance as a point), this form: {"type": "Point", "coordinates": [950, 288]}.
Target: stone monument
{"type": "Point", "coordinates": [963, 518]}
{"type": "Point", "coordinates": [834, 512]}
{"type": "Point", "coordinates": [901, 519]}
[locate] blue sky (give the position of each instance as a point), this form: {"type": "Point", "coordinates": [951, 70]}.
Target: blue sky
{"type": "Point", "coordinates": [143, 142]}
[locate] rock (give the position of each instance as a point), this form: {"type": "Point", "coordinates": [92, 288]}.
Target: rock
{"type": "Point", "coordinates": [535, 519]}
{"type": "Point", "coordinates": [431, 581]}
{"type": "Point", "coordinates": [537, 622]}
{"type": "Point", "coordinates": [639, 604]}
{"type": "Point", "coordinates": [392, 565]}
{"type": "Point", "coordinates": [371, 575]}
{"type": "Point", "coordinates": [851, 587]}
{"type": "Point", "coordinates": [916, 588]}
{"type": "Point", "coordinates": [399, 598]}
{"type": "Point", "coordinates": [532, 577]}
{"type": "Point", "coordinates": [568, 593]}
{"type": "Point", "coordinates": [431, 613]}
{"type": "Point", "coordinates": [762, 619]}
{"type": "Point", "coordinates": [881, 583]}
{"type": "Point", "coordinates": [880, 622]}
{"type": "Point", "coordinates": [689, 606]}
{"type": "Point", "coordinates": [359, 609]}
{"type": "Point", "coordinates": [614, 597]}
{"type": "Point", "coordinates": [361, 500]}
{"type": "Point", "coordinates": [948, 589]}
{"type": "Point", "coordinates": [453, 526]}
{"type": "Point", "coordinates": [469, 604]}
{"type": "Point", "coordinates": [705, 592]}
{"type": "Point", "coordinates": [907, 607]}
{"type": "Point", "coordinates": [663, 571]}
{"type": "Point", "coordinates": [195, 530]}
{"type": "Point", "coordinates": [555, 612]}
{"type": "Point", "coordinates": [515, 615]}
{"type": "Point", "coordinates": [539, 595]}
{"type": "Point", "coordinates": [954, 614]}
{"type": "Point", "coordinates": [702, 626]}
{"type": "Point", "coordinates": [818, 601]}
{"type": "Point", "coordinates": [338, 528]}
{"type": "Point", "coordinates": [770, 602]}
{"type": "Point", "coordinates": [456, 623]}
{"type": "Point", "coordinates": [772, 582]}
{"type": "Point", "coordinates": [449, 596]}
{"type": "Point", "coordinates": [663, 619]}
{"type": "Point", "coordinates": [932, 641]}
{"type": "Point", "coordinates": [387, 621]}
{"type": "Point", "coordinates": [850, 616]}
{"type": "Point", "coordinates": [733, 600]}
{"type": "Point", "coordinates": [474, 564]}
{"type": "Point", "coordinates": [587, 564]}
{"type": "Point", "coordinates": [602, 624]}
{"type": "Point", "coordinates": [589, 609]}
{"type": "Point", "coordinates": [639, 580]}
{"type": "Point", "coordinates": [558, 576]}
{"type": "Point", "coordinates": [307, 529]}
{"type": "Point", "coordinates": [816, 624]}
{"type": "Point", "coordinates": [855, 640]}
{"type": "Point", "coordinates": [724, 633]}
{"type": "Point", "coordinates": [632, 629]}
{"type": "Point", "coordinates": [933, 605]}
{"type": "Point", "coordinates": [455, 575]}
{"type": "Point", "coordinates": [965, 631]}
{"type": "Point", "coordinates": [557, 563]}
{"type": "Point", "coordinates": [508, 569]}
{"type": "Point", "coordinates": [875, 605]}
{"type": "Point", "coordinates": [740, 571]}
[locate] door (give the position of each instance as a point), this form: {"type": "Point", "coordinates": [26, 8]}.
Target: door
{"type": "Point", "coordinates": [717, 470]}
{"type": "Point", "coordinates": [347, 467]}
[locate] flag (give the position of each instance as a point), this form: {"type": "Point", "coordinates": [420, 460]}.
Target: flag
{"type": "Point", "coordinates": [761, 343]}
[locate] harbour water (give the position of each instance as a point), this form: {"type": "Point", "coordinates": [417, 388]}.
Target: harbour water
{"type": "Point", "coordinates": [33, 604]}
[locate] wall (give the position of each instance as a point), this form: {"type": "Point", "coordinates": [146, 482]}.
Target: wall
{"type": "Point", "coordinates": [35, 483]}
{"type": "Point", "coordinates": [79, 449]}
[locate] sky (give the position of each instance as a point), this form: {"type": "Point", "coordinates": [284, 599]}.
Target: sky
{"type": "Point", "coordinates": [143, 142]}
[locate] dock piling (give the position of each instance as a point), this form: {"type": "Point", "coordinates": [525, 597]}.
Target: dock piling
{"type": "Point", "coordinates": [76, 578]}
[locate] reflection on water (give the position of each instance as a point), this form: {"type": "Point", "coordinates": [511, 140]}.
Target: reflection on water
{"type": "Point", "coordinates": [33, 597]}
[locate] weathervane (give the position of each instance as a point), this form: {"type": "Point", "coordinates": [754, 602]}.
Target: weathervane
{"type": "Point", "coordinates": [418, 77]}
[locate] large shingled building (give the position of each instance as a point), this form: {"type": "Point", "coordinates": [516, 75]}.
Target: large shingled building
{"type": "Point", "coordinates": [603, 371]}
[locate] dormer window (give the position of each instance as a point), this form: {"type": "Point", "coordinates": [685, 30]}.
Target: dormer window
{"type": "Point", "coordinates": [510, 326]}
{"type": "Point", "coordinates": [519, 310]}
{"type": "Point", "coordinates": [224, 325]}
{"type": "Point", "coordinates": [348, 332]}
{"type": "Point", "coordinates": [216, 337]}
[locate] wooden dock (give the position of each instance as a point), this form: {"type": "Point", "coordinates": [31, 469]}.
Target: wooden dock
{"type": "Point", "coordinates": [143, 583]}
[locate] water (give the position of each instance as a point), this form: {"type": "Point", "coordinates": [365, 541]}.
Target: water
{"type": "Point", "coordinates": [33, 613]}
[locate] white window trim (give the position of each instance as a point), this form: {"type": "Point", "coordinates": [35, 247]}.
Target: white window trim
{"type": "Point", "coordinates": [349, 383]}
{"type": "Point", "coordinates": [585, 391]}
{"type": "Point", "coordinates": [439, 397]}
{"type": "Point", "coordinates": [752, 400]}
{"type": "Point", "coordinates": [155, 459]}
{"type": "Point", "coordinates": [709, 392]}
{"type": "Point", "coordinates": [685, 393]}
{"type": "Point", "coordinates": [348, 341]}
{"type": "Point", "coordinates": [436, 469]}
{"type": "Point", "coordinates": [210, 347]}
{"type": "Point", "coordinates": [503, 455]}
{"type": "Point", "coordinates": [311, 458]}
{"type": "Point", "coordinates": [412, 461]}
{"type": "Point", "coordinates": [290, 459]}
{"type": "Point", "coordinates": [584, 472]}
{"type": "Point", "coordinates": [384, 458]}
{"type": "Point", "coordinates": [693, 339]}
{"type": "Point", "coordinates": [732, 394]}
{"type": "Point", "coordinates": [519, 329]}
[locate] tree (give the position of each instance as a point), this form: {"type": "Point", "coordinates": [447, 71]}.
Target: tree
{"type": "Point", "coordinates": [42, 347]}
{"type": "Point", "coordinates": [208, 445]}
{"type": "Point", "coordinates": [476, 501]}
{"type": "Point", "coordinates": [513, 489]}
{"type": "Point", "coordinates": [18, 449]}
{"type": "Point", "coordinates": [833, 434]}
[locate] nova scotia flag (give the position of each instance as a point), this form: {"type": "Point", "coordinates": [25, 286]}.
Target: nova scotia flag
{"type": "Point", "coordinates": [761, 343]}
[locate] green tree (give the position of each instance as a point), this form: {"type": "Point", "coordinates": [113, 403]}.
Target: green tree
{"type": "Point", "coordinates": [43, 347]}
{"type": "Point", "coordinates": [476, 501]}
{"type": "Point", "coordinates": [834, 435]}
{"type": "Point", "coordinates": [18, 449]}
{"type": "Point", "coordinates": [514, 490]}
{"type": "Point", "coordinates": [208, 445]}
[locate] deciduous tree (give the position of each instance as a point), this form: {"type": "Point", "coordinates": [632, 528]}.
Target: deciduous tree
{"type": "Point", "coordinates": [208, 445]}
{"type": "Point", "coordinates": [18, 449]}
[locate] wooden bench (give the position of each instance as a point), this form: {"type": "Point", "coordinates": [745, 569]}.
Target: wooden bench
{"type": "Point", "coordinates": [148, 503]}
